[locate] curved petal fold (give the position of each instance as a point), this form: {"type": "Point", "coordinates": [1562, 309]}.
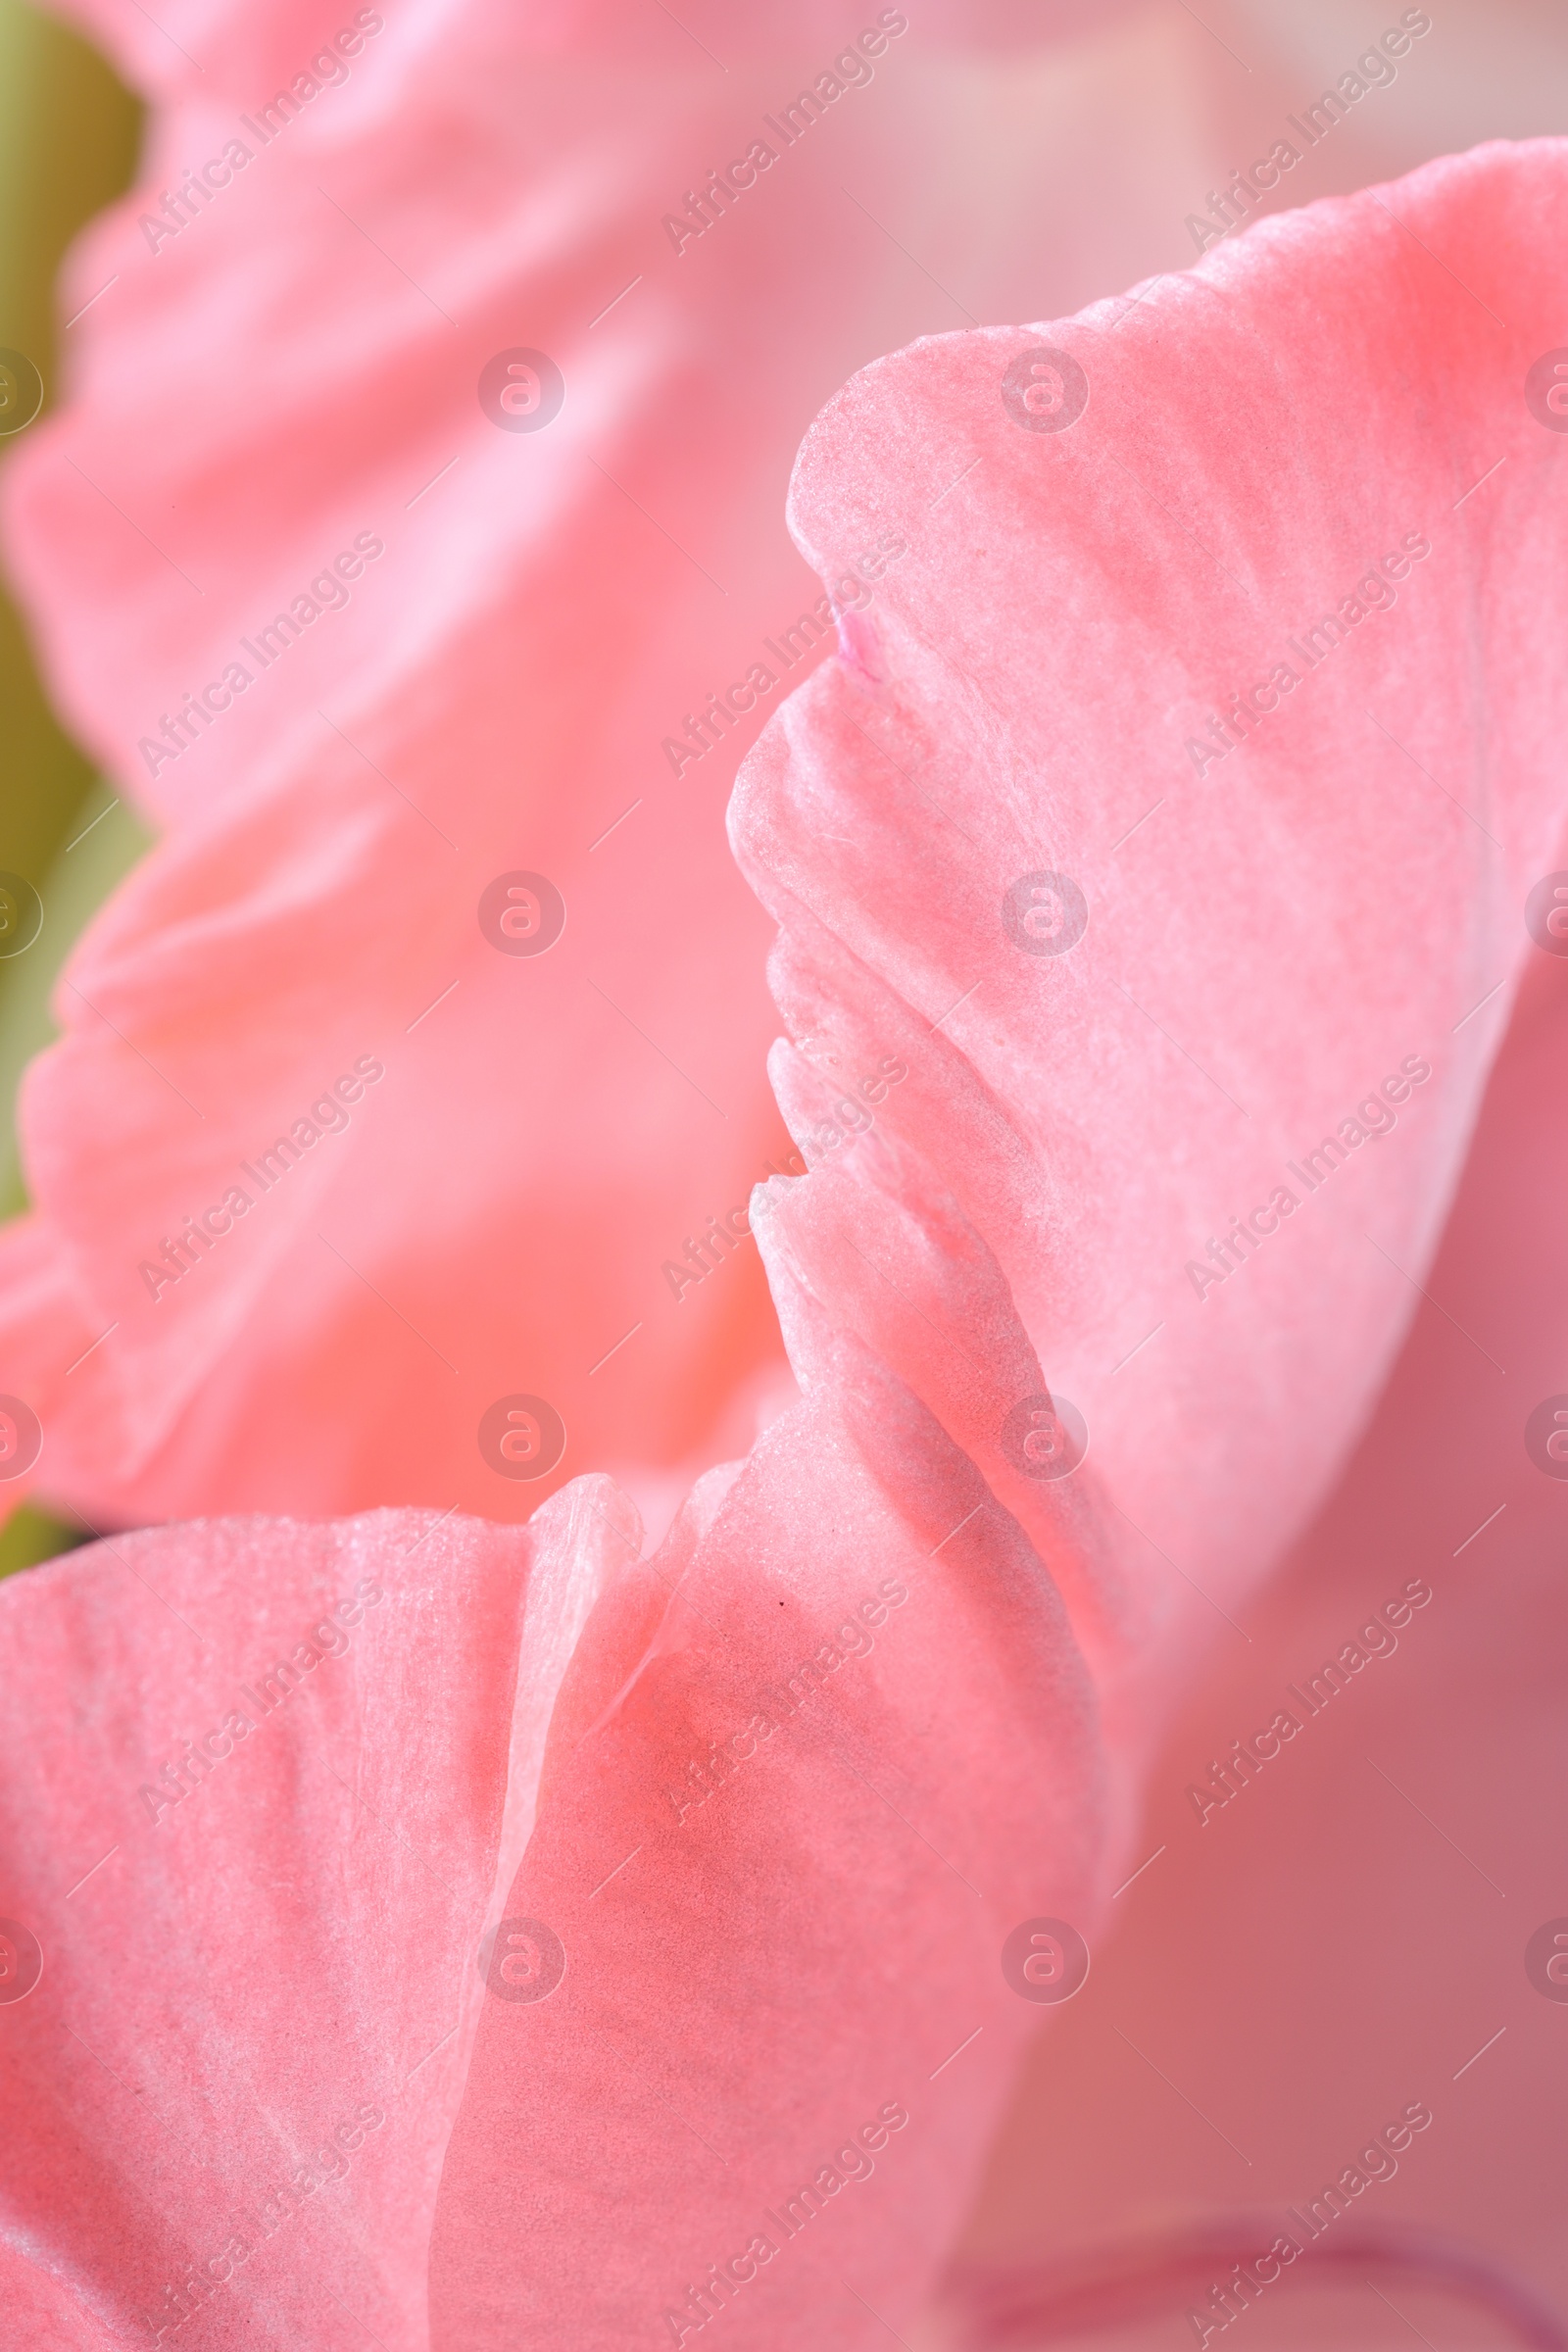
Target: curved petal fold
{"type": "Point", "coordinates": [860, 1750]}
{"type": "Point", "coordinates": [1173, 815]}
{"type": "Point", "coordinates": [262, 1784]}
{"type": "Point", "coordinates": [1150, 950]}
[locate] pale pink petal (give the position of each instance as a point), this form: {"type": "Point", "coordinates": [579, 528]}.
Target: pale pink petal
{"type": "Point", "coordinates": [1326, 906]}
{"type": "Point", "coordinates": [763, 1960]}
{"type": "Point", "coordinates": [747, 1981]}
{"type": "Point", "coordinates": [1023, 692]}
{"type": "Point", "coordinates": [296, 371]}
{"type": "Point", "coordinates": [1350, 1929]}
{"type": "Point", "coordinates": [274, 1976]}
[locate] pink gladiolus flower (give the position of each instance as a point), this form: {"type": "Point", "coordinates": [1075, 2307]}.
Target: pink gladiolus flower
{"type": "Point", "coordinates": [461, 1936]}
{"type": "Point", "coordinates": [343, 1145]}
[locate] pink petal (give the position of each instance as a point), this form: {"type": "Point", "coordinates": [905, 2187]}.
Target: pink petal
{"type": "Point", "coordinates": [748, 1982]}
{"type": "Point", "coordinates": [236, 1989]}
{"type": "Point", "coordinates": [1336, 900]}
{"type": "Point", "coordinates": [1347, 1931]}
{"type": "Point", "coordinates": [297, 367]}
{"type": "Point", "coordinates": [757, 1973]}
{"type": "Point", "coordinates": [746, 1997]}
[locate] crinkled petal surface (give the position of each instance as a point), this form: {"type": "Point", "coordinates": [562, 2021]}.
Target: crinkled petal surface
{"type": "Point", "coordinates": [1198, 993]}
{"type": "Point", "coordinates": [263, 1790]}
{"type": "Point", "coordinates": [885, 1695]}
{"type": "Point", "coordinates": [1019, 1153]}
{"type": "Point", "coordinates": [863, 1738]}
